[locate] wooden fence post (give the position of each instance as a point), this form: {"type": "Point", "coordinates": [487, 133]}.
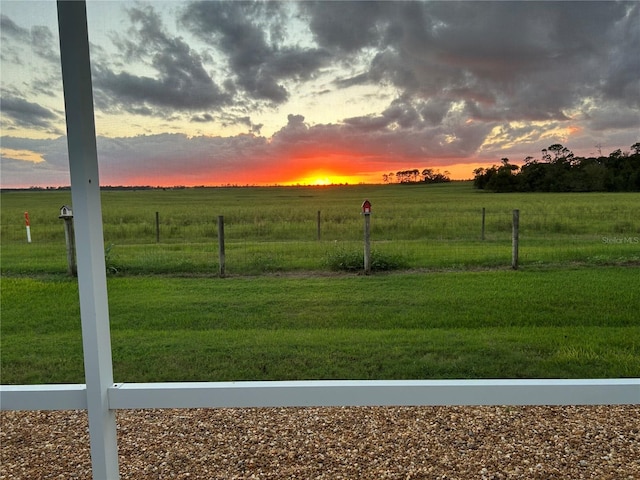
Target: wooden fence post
{"type": "Point", "coordinates": [367, 244]}
{"type": "Point", "coordinates": [71, 247]}
{"type": "Point", "coordinates": [366, 211]}
{"type": "Point", "coordinates": [514, 239]}
{"type": "Point", "coordinates": [157, 227]}
{"type": "Point", "coordinates": [221, 254]}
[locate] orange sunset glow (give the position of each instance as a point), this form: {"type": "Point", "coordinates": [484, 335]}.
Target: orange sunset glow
{"type": "Point", "coordinates": [297, 168]}
{"type": "Point", "coordinates": [325, 178]}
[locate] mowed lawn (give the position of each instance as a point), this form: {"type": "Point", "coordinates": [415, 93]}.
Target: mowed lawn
{"type": "Point", "coordinates": [447, 305]}
{"type": "Point", "coordinates": [495, 323]}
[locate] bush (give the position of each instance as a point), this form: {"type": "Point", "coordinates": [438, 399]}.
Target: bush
{"type": "Point", "coordinates": [353, 261]}
{"type": "Point", "coordinates": [110, 265]}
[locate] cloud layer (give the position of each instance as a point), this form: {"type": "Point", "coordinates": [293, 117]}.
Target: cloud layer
{"type": "Point", "coordinates": [416, 84]}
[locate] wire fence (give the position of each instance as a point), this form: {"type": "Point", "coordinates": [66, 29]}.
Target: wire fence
{"type": "Point", "coordinates": [319, 240]}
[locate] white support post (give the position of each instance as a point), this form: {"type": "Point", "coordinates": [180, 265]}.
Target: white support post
{"type": "Point", "coordinates": [85, 194]}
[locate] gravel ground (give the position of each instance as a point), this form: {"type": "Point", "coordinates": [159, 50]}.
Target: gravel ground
{"type": "Point", "coordinates": [335, 443]}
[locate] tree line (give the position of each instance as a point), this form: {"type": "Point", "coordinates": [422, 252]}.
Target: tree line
{"type": "Point", "coordinates": [427, 175]}
{"type": "Point", "coordinates": [559, 170]}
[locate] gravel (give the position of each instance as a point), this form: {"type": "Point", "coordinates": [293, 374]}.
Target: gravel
{"type": "Point", "coordinates": [600, 442]}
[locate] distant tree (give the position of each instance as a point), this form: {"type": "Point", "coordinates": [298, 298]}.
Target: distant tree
{"type": "Point", "coordinates": [561, 171]}
{"type": "Point", "coordinates": [407, 176]}
{"type": "Point", "coordinates": [431, 176]}
{"type": "Point", "coordinates": [599, 148]}
{"type": "Point", "coordinates": [556, 148]}
{"type": "Point", "coordinates": [498, 179]}
{"type": "Point", "coordinates": [483, 176]}
{"type": "Point", "coordinates": [534, 176]}
{"type": "Point", "coordinates": [504, 180]}
{"type": "Point", "coordinates": [414, 175]}
{"type": "Point", "coordinates": [427, 174]}
{"type": "Point", "coordinates": [561, 153]}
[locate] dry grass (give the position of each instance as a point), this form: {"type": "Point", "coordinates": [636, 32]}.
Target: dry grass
{"type": "Point", "coordinates": [337, 443]}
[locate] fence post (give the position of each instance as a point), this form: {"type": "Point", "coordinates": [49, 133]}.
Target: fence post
{"type": "Point", "coordinates": [367, 244]}
{"type": "Point", "coordinates": [514, 239]}
{"type": "Point", "coordinates": [71, 247]}
{"type": "Point", "coordinates": [221, 254]}
{"type": "Point", "coordinates": [366, 211]}
{"type": "Point", "coordinates": [483, 217]}
{"type": "Point", "coordinates": [157, 227]}
{"type": "Point", "coordinates": [318, 225]}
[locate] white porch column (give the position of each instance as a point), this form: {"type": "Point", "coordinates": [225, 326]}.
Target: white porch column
{"type": "Point", "coordinates": [85, 194]}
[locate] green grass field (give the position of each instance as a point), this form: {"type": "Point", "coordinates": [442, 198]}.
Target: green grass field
{"type": "Point", "coordinates": [484, 324]}
{"type": "Point", "coordinates": [276, 229]}
{"type": "Point", "coordinates": [454, 308]}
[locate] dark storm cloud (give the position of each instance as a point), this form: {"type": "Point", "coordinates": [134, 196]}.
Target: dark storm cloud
{"type": "Point", "coordinates": [39, 39]}
{"type": "Point", "coordinates": [623, 68]}
{"type": "Point", "coordinates": [18, 173]}
{"type": "Point", "coordinates": [27, 48]}
{"type": "Point", "coordinates": [401, 114]}
{"type": "Point", "coordinates": [54, 170]}
{"type": "Point", "coordinates": [507, 60]}
{"type": "Point", "coordinates": [54, 151]}
{"type": "Point", "coordinates": [45, 44]}
{"type": "Point", "coordinates": [202, 158]}
{"type": "Point", "coordinates": [396, 136]}
{"type": "Point", "coordinates": [249, 36]}
{"type": "Point", "coordinates": [460, 68]}
{"type": "Point", "coordinates": [204, 118]}
{"type": "Point", "coordinates": [175, 89]}
{"type": "Point", "coordinates": [8, 28]}
{"type": "Point", "coordinates": [609, 119]}
{"type": "Point", "coordinates": [27, 114]}
{"type": "Point", "coordinates": [333, 25]}
{"type": "Point", "coordinates": [182, 82]}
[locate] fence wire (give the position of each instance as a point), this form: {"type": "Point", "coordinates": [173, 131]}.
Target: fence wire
{"type": "Point", "coordinates": [254, 243]}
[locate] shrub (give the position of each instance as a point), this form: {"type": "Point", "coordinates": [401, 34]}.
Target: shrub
{"type": "Point", "coordinates": [110, 265]}
{"type": "Point", "coordinates": [353, 260]}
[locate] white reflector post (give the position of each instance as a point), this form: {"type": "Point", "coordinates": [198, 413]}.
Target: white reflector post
{"type": "Point", "coordinates": [85, 194]}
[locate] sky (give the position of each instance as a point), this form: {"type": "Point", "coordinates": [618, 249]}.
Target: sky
{"type": "Point", "coordinates": [278, 93]}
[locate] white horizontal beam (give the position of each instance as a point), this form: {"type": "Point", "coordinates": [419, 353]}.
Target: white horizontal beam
{"type": "Point", "coordinates": [330, 393]}
{"type": "Point", "coordinates": [43, 397]}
